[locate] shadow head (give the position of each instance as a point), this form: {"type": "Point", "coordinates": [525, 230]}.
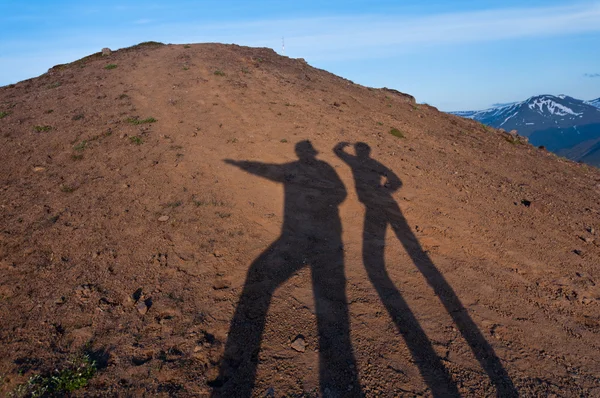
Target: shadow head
{"type": "Point", "coordinates": [363, 150]}
{"type": "Point", "coordinates": [305, 150]}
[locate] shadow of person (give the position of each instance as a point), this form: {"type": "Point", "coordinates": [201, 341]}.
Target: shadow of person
{"type": "Point", "coordinates": [381, 211]}
{"type": "Point", "coordinates": [310, 236]}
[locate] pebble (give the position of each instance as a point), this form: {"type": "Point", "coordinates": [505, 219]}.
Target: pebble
{"type": "Point", "coordinates": [106, 51]}
{"type": "Point", "coordinates": [39, 169]}
{"type": "Point", "coordinates": [220, 284]}
{"type": "Point", "coordinates": [299, 344]}
{"type": "Point", "coordinates": [163, 218]}
{"type": "Point", "coordinates": [217, 254]}
{"type": "Point", "coordinates": [141, 307]}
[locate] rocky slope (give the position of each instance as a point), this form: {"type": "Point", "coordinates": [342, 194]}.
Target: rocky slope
{"type": "Point", "coordinates": [162, 212]}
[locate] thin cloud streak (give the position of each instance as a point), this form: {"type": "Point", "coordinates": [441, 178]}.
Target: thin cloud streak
{"type": "Point", "coordinates": [591, 75]}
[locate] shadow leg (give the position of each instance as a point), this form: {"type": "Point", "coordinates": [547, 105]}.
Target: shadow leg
{"type": "Point", "coordinates": [482, 350]}
{"type": "Point", "coordinates": [238, 367]}
{"type": "Point", "coordinates": [337, 365]}
{"type": "Point", "coordinates": [430, 366]}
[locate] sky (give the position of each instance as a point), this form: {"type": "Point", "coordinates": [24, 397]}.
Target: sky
{"type": "Point", "coordinates": [454, 55]}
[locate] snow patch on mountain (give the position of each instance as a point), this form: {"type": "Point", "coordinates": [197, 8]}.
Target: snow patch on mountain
{"type": "Point", "coordinates": [553, 107]}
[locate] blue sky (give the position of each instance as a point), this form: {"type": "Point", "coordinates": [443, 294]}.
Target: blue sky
{"type": "Point", "coordinates": [455, 55]}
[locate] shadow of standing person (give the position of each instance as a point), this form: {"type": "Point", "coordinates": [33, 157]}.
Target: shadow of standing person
{"type": "Point", "coordinates": [381, 211]}
{"type": "Point", "coordinates": [310, 236]}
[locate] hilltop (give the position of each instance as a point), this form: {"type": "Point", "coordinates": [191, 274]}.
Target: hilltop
{"type": "Point", "coordinates": [139, 188]}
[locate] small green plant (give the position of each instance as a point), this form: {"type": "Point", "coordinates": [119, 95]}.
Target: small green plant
{"type": "Point", "coordinates": [283, 140]}
{"type": "Point", "coordinates": [187, 46]}
{"type": "Point", "coordinates": [245, 70]}
{"type": "Point", "coordinates": [3, 114]}
{"type": "Point", "coordinates": [110, 66]}
{"type": "Point", "coordinates": [59, 383]}
{"type": "Point", "coordinates": [81, 146]}
{"type": "Point", "coordinates": [136, 140]}
{"type": "Point", "coordinates": [79, 116]}
{"type": "Point", "coordinates": [379, 124]}
{"type": "Point", "coordinates": [67, 188]}
{"type": "Point", "coordinates": [396, 133]}
{"type": "Point", "coordinates": [77, 156]}
{"type": "Point", "coordinates": [136, 120]}
{"type": "Point", "coordinates": [219, 72]}
{"type": "Point", "coordinates": [186, 68]}
{"type": "Point", "coordinates": [49, 111]}
{"type": "Point", "coordinates": [513, 140]}
{"type": "Point", "coordinates": [123, 96]}
{"type": "Point", "coordinates": [40, 129]}
{"type": "Point", "coordinates": [54, 85]}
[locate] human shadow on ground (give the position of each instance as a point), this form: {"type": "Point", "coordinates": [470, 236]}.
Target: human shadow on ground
{"type": "Point", "coordinates": [381, 211]}
{"type": "Point", "coordinates": [310, 236]}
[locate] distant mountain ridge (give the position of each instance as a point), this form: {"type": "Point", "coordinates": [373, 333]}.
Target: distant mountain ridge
{"type": "Point", "coordinates": [563, 124]}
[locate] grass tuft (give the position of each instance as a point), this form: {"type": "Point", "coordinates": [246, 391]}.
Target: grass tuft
{"type": "Point", "coordinates": [110, 66]}
{"type": "Point", "coordinates": [396, 133]}
{"type": "Point", "coordinates": [136, 121]}
{"type": "Point", "coordinates": [3, 114]}
{"type": "Point", "coordinates": [219, 72]}
{"type": "Point", "coordinates": [136, 140]}
{"type": "Point", "coordinates": [59, 383]}
{"type": "Point", "coordinates": [39, 129]}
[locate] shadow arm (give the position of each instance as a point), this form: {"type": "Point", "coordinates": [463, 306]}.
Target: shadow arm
{"type": "Point", "coordinates": [273, 172]}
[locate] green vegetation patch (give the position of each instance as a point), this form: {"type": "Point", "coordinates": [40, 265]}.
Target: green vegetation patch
{"type": "Point", "coordinates": [40, 129]}
{"type": "Point", "coordinates": [59, 383]}
{"type": "Point", "coordinates": [396, 133]}
{"type": "Point", "coordinates": [3, 114]}
{"type": "Point", "coordinates": [136, 120]}
{"type": "Point", "coordinates": [136, 140]}
{"type": "Point", "coordinates": [81, 146]}
{"type": "Point", "coordinates": [110, 66]}
{"type": "Point", "coordinates": [219, 72]}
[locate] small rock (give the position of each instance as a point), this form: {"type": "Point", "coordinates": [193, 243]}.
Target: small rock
{"type": "Point", "coordinates": [217, 254]}
{"type": "Point", "coordinates": [270, 393]}
{"type": "Point", "coordinates": [299, 344]}
{"type": "Point", "coordinates": [220, 284]}
{"type": "Point", "coordinates": [39, 169]}
{"type": "Point", "coordinates": [163, 218]}
{"type": "Point", "coordinates": [578, 252]}
{"type": "Point", "coordinates": [106, 51]}
{"type": "Point", "coordinates": [141, 307]}
{"type": "Point", "coordinates": [586, 239]}
{"type": "Point", "coordinates": [526, 203]}
{"type": "Point", "coordinates": [591, 230]}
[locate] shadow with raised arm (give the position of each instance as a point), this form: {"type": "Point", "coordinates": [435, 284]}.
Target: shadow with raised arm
{"type": "Point", "coordinates": [310, 236]}
{"type": "Point", "coordinates": [381, 211]}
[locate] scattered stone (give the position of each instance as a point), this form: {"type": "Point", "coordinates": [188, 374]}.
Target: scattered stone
{"type": "Point", "coordinates": [299, 344]}
{"type": "Point", "coordinates": [60, 300]}
{"type": "Point", "coordinates": [578, 252]}
{"type": "Point", "coordinates": [163, 218]}
{"type": "Point", "coordinates": [141, 307]}
{"type": "Point", "coordinates": [270, 393]}
{"type": "Point", "coordinates": [217, 254]}
{"type": "Point", "coordinates": [526, 203]}
{"type": "Point", "coordinates": [220, 284]}
{"type": "Point", "coordinates": [591, 230]}
{"type": "Point", "coordinates": [586, 239]}
{"type": "Point", "coordinates": [106, 51]}
{"type": "Point", "coordinates": [39, 169]}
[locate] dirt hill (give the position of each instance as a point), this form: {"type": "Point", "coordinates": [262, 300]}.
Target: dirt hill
{"type": "Point", "coordinates": [199, 219]}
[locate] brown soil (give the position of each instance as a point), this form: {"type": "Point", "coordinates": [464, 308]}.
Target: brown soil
{"type": "Point", "coordinates": [487, 282]}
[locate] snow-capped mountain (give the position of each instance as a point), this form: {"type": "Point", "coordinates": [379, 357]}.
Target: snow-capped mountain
{"type": "Point", "coordinates": [595, 102]}
{"type": "Point", "coordinates": [563, 124]}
